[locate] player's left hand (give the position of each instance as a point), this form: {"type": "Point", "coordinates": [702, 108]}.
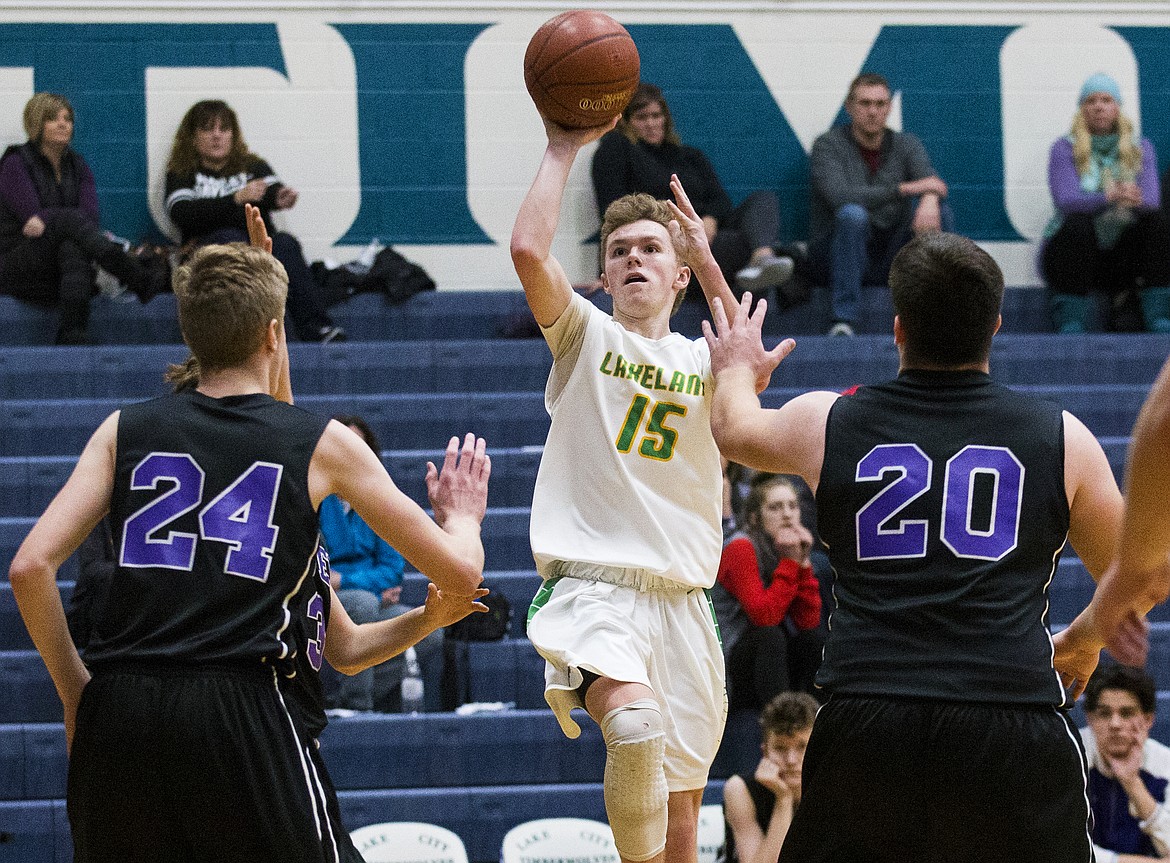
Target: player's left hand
{"type": "Point", "coordinates": [443, 609]}
{"type": "Point", "coordinates": [687, 223]}
{"type": "Point", "coordinates": [257, 230]}
{"type": "Point", "coordinates": [741, 344]}
{"type": "Point", "coordinates": [460, 488]}
{"type": "Point", "coordinates": [1075, 656]}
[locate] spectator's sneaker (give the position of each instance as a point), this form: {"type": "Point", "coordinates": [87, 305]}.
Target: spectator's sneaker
{"type": "Point", "coordinates": [329, 333]}
{"type": "Point", "coordinates": [841, 328]}
{"type": "Point", "coordinates": [771, 272]}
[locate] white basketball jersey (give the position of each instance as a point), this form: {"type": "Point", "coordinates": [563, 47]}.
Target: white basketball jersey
{"type": "Point", "coordinates": [630, 475]}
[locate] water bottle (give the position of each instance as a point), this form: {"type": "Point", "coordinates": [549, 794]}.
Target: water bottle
{"type": "Point", "coordinates": [412, 685]}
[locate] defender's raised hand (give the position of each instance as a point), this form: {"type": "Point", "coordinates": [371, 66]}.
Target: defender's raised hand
{"type": "Point", "coordinates": [257, 230]}
{"type": "Point", "coordinates": [443, 609]}
{"type": "Point", "coordinates": [741, 344]}
{"type": "Point", "coordinates": [460, 488]}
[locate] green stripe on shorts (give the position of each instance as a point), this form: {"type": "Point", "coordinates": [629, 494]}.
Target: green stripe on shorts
{"type": "Point", "coordinates": [711, 608]}
{"type": "Point", "coordinates": [542, 596]}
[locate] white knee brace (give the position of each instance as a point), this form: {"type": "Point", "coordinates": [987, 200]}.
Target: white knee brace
{"type": "Point", "coordinates": [635, 783]}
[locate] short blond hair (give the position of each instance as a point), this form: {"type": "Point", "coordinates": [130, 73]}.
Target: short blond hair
{"type": "Point", "coordinates": [39, 110]}
{"type": "Point", "coordinates": [227, 295]}
{"type": "Point", "coordinates": [634, 208]}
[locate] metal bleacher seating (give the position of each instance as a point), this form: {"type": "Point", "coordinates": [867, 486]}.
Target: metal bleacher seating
{"type": "Point", "coordinates": [421, 372]}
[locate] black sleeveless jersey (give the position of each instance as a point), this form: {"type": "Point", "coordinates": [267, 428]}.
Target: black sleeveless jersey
{"type": "Point", "coordinates": [310, 613]}
{"type": "Point", "coordinates": [943, 506]}
{"type": "Point", "coordinates": [214, 531]}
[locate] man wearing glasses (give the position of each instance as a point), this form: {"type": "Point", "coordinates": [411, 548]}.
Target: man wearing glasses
{"type": "Point", "coordinates": [872, 190]}
{"type": "Point", "coordinates": [1128, 772]}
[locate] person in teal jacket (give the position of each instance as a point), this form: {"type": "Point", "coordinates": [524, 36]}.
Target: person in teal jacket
{"type": "Point", "coordinates": [367, 575]}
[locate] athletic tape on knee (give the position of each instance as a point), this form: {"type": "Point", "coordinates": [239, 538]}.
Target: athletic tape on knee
{"type": "Point", "coordinates": [635, 783]}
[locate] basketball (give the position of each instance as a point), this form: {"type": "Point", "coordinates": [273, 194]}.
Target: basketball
{"type": "Point", "coordinates": [581, 68]}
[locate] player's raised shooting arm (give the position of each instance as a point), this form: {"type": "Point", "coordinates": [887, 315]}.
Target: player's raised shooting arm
{"type": "Point", "coordinates": [546, 286]}
{"type": "Point", "coordinates": [69, 518]}
{"type": "Point", "coordinates": [447, 549]}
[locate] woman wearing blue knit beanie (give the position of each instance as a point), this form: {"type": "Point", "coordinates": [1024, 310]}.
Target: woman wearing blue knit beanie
{"type": "Point", "coordinates": [1109, 233]}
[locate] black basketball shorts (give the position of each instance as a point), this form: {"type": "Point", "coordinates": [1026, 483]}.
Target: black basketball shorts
{"type": "Point", "coordinates": [909, 781]}
{"type": "Point", "coordinates": [190, 765]}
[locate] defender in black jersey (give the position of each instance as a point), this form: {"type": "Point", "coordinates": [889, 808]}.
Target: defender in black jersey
{"type": "Point", "coordinates": [186, 746]}
{"type": "Point", "coordinates": [945, 501]}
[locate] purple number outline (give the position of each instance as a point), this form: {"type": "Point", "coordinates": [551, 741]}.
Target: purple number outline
{"type": "Point", "coordinates": [174, 539]}
{"type": "Point", "coordinates": [236, 545]}
{"type": "Point", "coordinates": [315, 647]}
{"type": "Point", "coordinates": [886, 459]}
{"type": "Point", "coordinates": [964, 533]}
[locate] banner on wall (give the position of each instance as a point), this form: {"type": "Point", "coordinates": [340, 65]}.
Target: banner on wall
{"type": "Point", "coordinates": [415, 128]}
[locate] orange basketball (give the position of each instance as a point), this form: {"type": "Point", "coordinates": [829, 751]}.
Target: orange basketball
{"type": "Point", "coordinates": [581, 68]}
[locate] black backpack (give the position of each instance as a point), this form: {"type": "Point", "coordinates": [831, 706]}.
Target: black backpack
{"type": "Point", "coordinates": [492, 626]}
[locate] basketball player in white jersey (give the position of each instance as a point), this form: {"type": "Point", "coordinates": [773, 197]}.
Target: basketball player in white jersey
{"type": "Point", "coordinates": [626, 515]}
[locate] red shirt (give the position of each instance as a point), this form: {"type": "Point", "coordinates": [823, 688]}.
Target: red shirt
{"type": "Point", "coordinates": [794, 590]}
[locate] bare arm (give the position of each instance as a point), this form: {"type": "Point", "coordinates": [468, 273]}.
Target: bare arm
{"type": "Point", "coordinates": [788, 440]}
{"type": "Point", "coordinates": [546, 286]}
{"type": "Point", "coordinates": [447, 549]}
{"type": "Point", "coordinates": [351, 648]}
{"type": "Point", "coordinates": [1094, 500]}
{"type": "Point", "coordinates": [752, 844]}
{"type": "Point", "coordinates": [69, 518]}
{"type": "Point", "coordinates": [1125, 593]}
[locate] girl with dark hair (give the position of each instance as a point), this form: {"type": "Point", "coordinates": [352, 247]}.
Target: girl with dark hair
{"type": "Point", "coordinates": [642, 153]}
{"type": "Point", "coordinates": [767, 598]}
{"type": "Point", "coordinates": [211, 175]}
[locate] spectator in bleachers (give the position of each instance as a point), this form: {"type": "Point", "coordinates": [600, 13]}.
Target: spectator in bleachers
{"type": "Point", "coordinates": [211, 175]}
{"type": "Point", "coordinates": [50, 237]}
{"type": "Point", "coordinates": [758, 809]}
{"type": "Point", "coordinates": [1109, 233]}
{"type": "Point", "coordinates": [367, 575]}
{"type": "Point", "coordinates": [872, 190]}
{"type": "Point", "coordinates": [1128, 772]}
{"type": "Point", "coordinates": [767, 598]}
{"type": "Point", "coordinates": [642, 153]}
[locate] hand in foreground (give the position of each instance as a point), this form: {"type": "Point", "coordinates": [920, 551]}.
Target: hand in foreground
{"type": "Point", "coordinates": [686, 219]}
{"type": "Point", "coordinates": [741, 343]}
{"type": "Point", "coordinates": [1129, 642]}
{"type": "Point", "coordinates": [443, 609]}
{"type": "Point", "coordinates": [460, 488]}
{"type": "Point", "coordinates": [1075, 656]}
{"type": "Point", "coordinates": [257, 230]}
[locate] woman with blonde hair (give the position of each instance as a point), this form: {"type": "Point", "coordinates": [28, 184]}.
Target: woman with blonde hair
{"type": "Point", "coordinates": [1109, 233]}
{"type": "Point", "coordinates": [49, 233]}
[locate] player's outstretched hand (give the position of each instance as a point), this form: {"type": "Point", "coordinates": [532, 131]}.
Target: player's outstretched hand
{"type": "Point", "coordinates": [257, 230]}
{"type": "Point", "coordinates": [1129, 642]}
{"type": "Point", "coordinates": [740, 343]}
{"type": "Point", "coordinates": [1076, 653]}
{"type": "Point", "coordinates": [686, 220]}
{"type": "Point", "coordinates": [443, 609]}
{"type": "Point", "coordinates": [460, 488]}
